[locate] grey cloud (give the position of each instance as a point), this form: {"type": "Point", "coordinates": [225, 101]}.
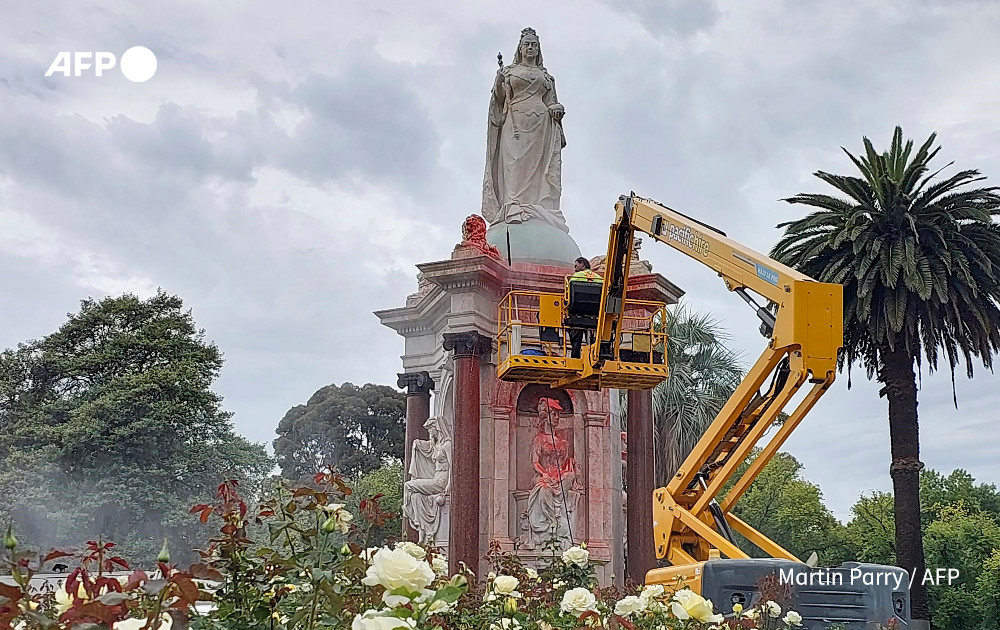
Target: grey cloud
{"type": "Point", "coordinates": [366, 119]}
{"type": "Point", "coordinates": [177, 140]}
{"type": "Point", "coordinates": [671, 18]}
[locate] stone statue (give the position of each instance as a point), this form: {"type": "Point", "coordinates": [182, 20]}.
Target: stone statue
{"type": "Point", "coordinates": [553, 501]}
{"type": "Point", "coordinates": [523, 180]}
{"type": "Point", "coordinates": [474, 237]}
{"type": "Point", "coordinates": [425, 494]}
{"type": "Point", "coordinates": [636, 266]}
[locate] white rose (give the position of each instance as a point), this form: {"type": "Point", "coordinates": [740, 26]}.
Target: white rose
{"type": "Point", "coordinates": [395, 568]}
{"type": "Point", "coordinates": [341, 517]}
{"type": "Point", "coordinates": [440, 564]}
{"type": "Point", "coordinates": [371, 620]}
{"type": "Point", "coordinates": [651, 593]}
{"type": "Point", "coordinates": [63, 600]}
{"type": "Point", "coordinates": [532, 574]}
{"type": "Point", "coordinates": [793, 618]}
{"type": "Point", "coordinates": [505, 584]}
{"type": "Point", "coordinates": [772, 609]}
{"type": "Point", "coordinates": [439, 606]}
{"type": "Point", "coordinates": [629, 605]}
{"type": "Point", "coordinates": [413, 549]}
{"type": "Point", "coordinates": [344, 519]}
{"type": "Point", "coordinates": [576, 555]}
{"type": "Point", "coordinates": [687, 604]}
{"type": "Point", "coordinates": [578, 601]}
{"type": "Point", "coordinates": [392, 601]}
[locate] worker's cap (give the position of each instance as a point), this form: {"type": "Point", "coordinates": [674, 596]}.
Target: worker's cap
{"type": "Point", "coordinates": [552, 403]}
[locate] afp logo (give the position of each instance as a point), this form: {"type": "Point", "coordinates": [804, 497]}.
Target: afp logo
{"type": "Point", "coordinates": [138, 64]}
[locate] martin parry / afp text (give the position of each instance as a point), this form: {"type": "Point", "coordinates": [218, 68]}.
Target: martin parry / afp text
{"type": "Point", "coordinates": [866, 576]}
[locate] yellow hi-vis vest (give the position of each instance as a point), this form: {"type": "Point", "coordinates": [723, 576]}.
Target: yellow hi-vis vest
{"type": "Point", "coordinates": [586, 275]}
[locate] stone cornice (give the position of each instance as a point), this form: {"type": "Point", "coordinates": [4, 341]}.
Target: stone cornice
{"type": "Point", "coordinates": [421, 318]}
{"type": "Point", "coordinates": [655, 288]}
{"type": "Point", "coordinates": [482, 272]}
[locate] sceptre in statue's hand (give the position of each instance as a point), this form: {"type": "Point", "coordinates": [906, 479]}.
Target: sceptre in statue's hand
{"type": "Point", "coordinates": [500, 59]}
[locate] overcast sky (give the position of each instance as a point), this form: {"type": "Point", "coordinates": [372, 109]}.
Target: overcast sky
{"type": "Point", "coordinates": [288, 165]}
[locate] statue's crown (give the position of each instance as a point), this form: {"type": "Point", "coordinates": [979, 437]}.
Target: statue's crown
{"type": "Point", "coordinates": [528, 31]}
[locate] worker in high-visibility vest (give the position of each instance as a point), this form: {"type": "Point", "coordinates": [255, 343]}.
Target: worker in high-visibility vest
{"type": "Point", "coordinates": [581, 273]}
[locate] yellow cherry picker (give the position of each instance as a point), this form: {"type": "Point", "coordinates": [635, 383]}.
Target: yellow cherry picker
{"type": "Point", "coordinates": [695, 532]}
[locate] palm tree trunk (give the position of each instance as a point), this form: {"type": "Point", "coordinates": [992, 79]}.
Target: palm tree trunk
{"type": "Point", "coordinates": [900, 387]}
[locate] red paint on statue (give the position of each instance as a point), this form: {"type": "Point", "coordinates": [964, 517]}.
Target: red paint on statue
{"type": "Point", "coordinates": [474, 235]}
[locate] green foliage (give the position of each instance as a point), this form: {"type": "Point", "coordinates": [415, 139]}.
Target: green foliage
{"type": "Point", "coordinates": [962, 532]}
{"type": "Point", "coordinates": [386, 483]}
{"type": "Point", "coordinates": [703, 375]}
{"type": "Point", "coordinates": [310, 572]}
{"type": "Point", "coordinates": [918, 255]}
{"type": "Point", "coordinates": [873, 528]}
{"type": "Point", "coordinates": [965, 541]}
{"type": "Point", "coordinates": [938, 491]}
{"type": "Point", "coordinates": [988, 586]}
{"type": "Point", "coordinates": [789, 510]}
{"type": "Point", "coordinates": [109, 427]}
{"type": "Point", "coordinates": [351, 429]}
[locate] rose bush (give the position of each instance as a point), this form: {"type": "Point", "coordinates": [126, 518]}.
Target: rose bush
{"type": "Point", "coordinates": [301, 560]}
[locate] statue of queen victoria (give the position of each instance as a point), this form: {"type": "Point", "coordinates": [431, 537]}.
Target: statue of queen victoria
{"type": "Point", "coordinates": [523, 180]}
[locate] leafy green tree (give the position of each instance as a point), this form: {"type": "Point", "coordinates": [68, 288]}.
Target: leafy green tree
{"type": "Point", "coordinates": [938, 491]}
{"type": "Point", "coordinates": [703, 375]}
{"type": "Point", "coordinates": [353, 430]}
{"type": "Point", "coordinates": [961, 532]}
{"type": "Point", "coordinates": [963, 540]}
{"type": "Point", "coordinates": [789, 510]}
{"type": "Point", "coordinates": [387, 484]}
{"type": "Point", "coordinates": [919, 258]}
{"type": "Point", "coordinates": [109, 428]}
{"type": "Point", "coordinates": [988, 586]}
{"type": "Point", "coordinates": [873, 528]}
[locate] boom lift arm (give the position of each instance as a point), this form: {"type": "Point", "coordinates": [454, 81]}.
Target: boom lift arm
{"type": "Point", "coordinates": [803, 322]}
{"type": "Point", "coordinates": [804, 326]}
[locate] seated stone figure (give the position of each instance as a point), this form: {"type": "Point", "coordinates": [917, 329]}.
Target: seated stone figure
{"type": "Point", "coordinates": [425, 494]}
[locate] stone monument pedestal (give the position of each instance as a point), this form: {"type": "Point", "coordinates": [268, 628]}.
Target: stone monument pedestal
{"type": "Point", "coordinates": [459, 297]}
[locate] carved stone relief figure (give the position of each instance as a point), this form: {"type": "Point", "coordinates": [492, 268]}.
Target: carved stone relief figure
{"type": "Point", "coordinates": [555, 497]}
{"type": "Point", "coordinates": [426, 493]}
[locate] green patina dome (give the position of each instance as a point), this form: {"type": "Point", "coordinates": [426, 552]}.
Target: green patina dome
{"type": "Point", "coordinates": [536, 242]}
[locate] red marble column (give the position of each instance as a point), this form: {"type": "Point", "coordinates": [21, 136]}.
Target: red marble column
{"type": "Point", "coordinates": [418, 387]}
{"type": "Point", "coordinates": [639, 481]}
{"type": "Point", "coordinates": [463, 535]}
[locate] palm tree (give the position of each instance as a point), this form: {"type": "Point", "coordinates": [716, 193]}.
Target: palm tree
{"type": "Point", "coordinates": [919, 258]}
{"type": "Point", "coordinates": [703, 375]}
